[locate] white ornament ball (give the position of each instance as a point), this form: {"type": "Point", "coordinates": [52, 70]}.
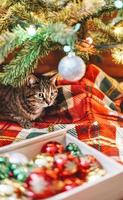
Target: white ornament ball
{"type": "Point", "coordinates": [118, 4]}
{"type": "Point", "coordinates": [72, 67]}
{"type": "Point", "coordinates": [6, 189]}
{"type": "Point", "coordinates": [17, 158]}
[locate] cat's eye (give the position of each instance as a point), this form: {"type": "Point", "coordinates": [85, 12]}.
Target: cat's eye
{"type": "Point", "coordinates": [51, 93]}
{"type": "Point", "coordinates": [40, 95]}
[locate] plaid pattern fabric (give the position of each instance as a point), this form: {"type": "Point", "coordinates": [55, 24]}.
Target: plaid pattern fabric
{"type": "Point", "coordinates": [88, 108]}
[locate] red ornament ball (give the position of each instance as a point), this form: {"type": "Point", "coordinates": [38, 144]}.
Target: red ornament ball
{"type": "Point", "coordinates": [67, 164]}
{"type": "Point", "coordinates": [71, 183]}
{"type": "Point", "coordinates": [52, 148]}
{"type": "Point", "coordinates": [88, 161]}
{"type": "Point", "coordinates": [87, 164]}
{"type": "Point", "coordinates": [39, 185]}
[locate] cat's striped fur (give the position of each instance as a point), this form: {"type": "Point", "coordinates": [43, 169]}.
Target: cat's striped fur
{"type": "Point", "coordinates": [26, 104]}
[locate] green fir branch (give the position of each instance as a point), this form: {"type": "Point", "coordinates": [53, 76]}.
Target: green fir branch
{"type": "Point", "coordinates": [62, 34]}
{"type": "Point", "coordinates": [19, 68]}
{"type": "Point", "coordinates": [17, 14]}
{"type": "Point", "coordinates": [106, 29]}
{"type": "Point", "coordinates": [45, 40]}
{"type": "Point", "coordinates": [17, 71]}
{"type": "Point", "coordinates": [54, 20]}
{"type": "Point", "coordinates": [10, 41]}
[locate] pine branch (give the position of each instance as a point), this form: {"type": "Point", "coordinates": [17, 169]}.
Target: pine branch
{"type": "Point", "coordinates": [10, 41]}
{"type": "Point", "coordinates": [45, 40]}
{"type": "Point", "coordinates": [80, 11]}
{"type": "Point", "coordinates": [17, 14]}
{"type": "Point", "coordinates": [118, 32]}
{"type": "Point", "coordinates": [62, 34]}
{"type": "Point", "coordinates": [117, 54]}
{"type": "Point", "coordinates": [19, 68]}
{"type": "Point", "coordinates": [54, 21]}
{"type": "Point", "coordinates": [35, 5]}
{"type": "Point", "coordinates": [104, 34]}
{"type": "Point", "coordinates": [17, 71]}
{"type": "Point", "coordinates": [7, 3]}
{"type": "Point", "coordinates": [74, 12]}
{"type": "Point", "coordinates": [5, 21]}
{"type": "Point", "coordinates": [99, 38]}
{"type": "Point", "coordinates": [47, 5]}
{"type": "Point", "coordinates": [106, 29]}
{"type": "Point", "coordinates": [108, 46]}
{"type": "Point", "coordinates": [108, 8]}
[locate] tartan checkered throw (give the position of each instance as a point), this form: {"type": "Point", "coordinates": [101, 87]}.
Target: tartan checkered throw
{"type": "Point", "coordinates": [89, 108]}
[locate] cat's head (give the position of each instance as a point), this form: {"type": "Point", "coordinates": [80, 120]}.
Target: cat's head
{"type": "Point", "coordinates": [42, 91]}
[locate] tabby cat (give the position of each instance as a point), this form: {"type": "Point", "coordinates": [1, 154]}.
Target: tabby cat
{"type": "Point", "coordinates": [26, 104]}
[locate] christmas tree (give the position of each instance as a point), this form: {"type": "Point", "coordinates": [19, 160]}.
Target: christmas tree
{"type": "Point", "coordinates": [32, 28]}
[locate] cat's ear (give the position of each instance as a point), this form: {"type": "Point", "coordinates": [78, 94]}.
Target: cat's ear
{"type": "Point", "coordinates": [53, 78]}
{"type": "Point", "coordinates": [32, 80]}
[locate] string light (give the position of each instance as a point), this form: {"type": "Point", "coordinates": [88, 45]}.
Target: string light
{"type": "Point", "coordinates": [67, 48]}
{"type": "Point", "coordinates": [31, 30]}
{"type": "Point", "coordinates": [118, 30]}
{"type": "Point", "coordinates": [89, 40]}
{"type": "Point", "coordinates": [118, 4]}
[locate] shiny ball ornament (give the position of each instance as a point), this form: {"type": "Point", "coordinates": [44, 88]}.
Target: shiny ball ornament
{"type": "Point", "coordinates": [4, 172]}
{"type": "Point", "coordinates": [52, 148]}
{"type": "Point", "coordinates": [91, 161]}
{"type": "Point", "coordinates": [11, 190]}
{"type": "Point", "coordinates": [51, 173]}
{"type": "Point", "coordinates": [39, 185]}
{"type": "Point", "coordinates": [3, 160]}
{"type": "Point", "coordinates": [6, 189]}
{"type": "Point", "coordinates": [60, 159]}
{"type": "Point", "coordinates": [4, 168]}
{"type": "Point", "coordinates": [118, 4]}
{"type": "Point", "coordinates": [88, 164]}
{"type": "Point", "coordinates": [84, 167]}
{"type": "Point", "coordinates": [72, 67]}
{"type": "Point", "coordinates": [73, 149]}
{"type": "Point", "coordinates": [85, 163]}
{"type": "Point", "coordinates": [71, 183]}
{"type": "Point", "coordinates": [20, 173]}
{"type": "Point", "coordinates": [17, 158]}
{"type": "Point", "coordinates": [95, 174]}
{"type": "Point", "coordinates": [67, 164]}
{"type": "Point", "coordinates": [44, 160]}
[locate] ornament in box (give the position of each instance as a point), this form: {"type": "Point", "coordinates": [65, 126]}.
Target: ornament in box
{"type": "Point", "coordinates": [52, 148]}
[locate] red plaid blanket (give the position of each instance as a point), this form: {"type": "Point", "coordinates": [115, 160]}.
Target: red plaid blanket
{"type": "Point", "coordinates": [89, 108]}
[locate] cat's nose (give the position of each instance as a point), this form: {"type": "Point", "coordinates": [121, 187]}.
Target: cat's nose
{"type": "Point", "coordinates": [48, 101]}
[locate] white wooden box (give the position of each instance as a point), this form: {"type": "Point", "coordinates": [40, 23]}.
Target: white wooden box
{"type": "Point", "coordinates": [109, 187]}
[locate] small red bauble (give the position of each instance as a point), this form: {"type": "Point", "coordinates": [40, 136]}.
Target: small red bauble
{"type": "Point", "coordinates": [52, 148]}
{"type": "Point", "coordinates": [71, 183]}
{"type": "Point", "coordinates": [67, 164]}
{"type": "Point", "coordinates": [50, 173]}
{"type": "Point", "coordinates": [39, 185]}
{"type": "Point", "coordinates": [88, 161]}
{"type": "Point", "coordinates": [87, 164]}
